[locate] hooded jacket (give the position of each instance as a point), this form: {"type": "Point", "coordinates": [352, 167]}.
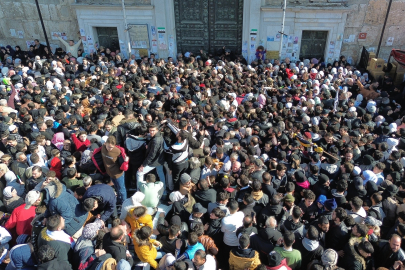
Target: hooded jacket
{"type": "Point", "coordinates": [146, 251]}
{"type": "Point", "coordinates": [59, 201]}
{"type": "Point", "coordinates": [241, 259]}
{"type": "Point", "coordinates": [124, 127]}
{"type": "Point", "coordinates": [136, 147]}
{"type": "Point", "coordinates": [354, 260]}
{"type": "Point", "coordinates": [297, 228]}
{"type": "Point", "coordinates": [145, 220]}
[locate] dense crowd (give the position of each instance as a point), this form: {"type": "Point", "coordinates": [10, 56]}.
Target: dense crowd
{"type": "Point", "coordinates": [199, 162]}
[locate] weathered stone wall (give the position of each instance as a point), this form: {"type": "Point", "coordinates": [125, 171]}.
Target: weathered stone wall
{"type": "Point", "coordinates": [22, 15]}
{"type": "Point", "coordinates": [369, 18]}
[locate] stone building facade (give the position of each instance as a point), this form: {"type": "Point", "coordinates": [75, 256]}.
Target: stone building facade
{"type": "Point", "coordinates": [313, 28]}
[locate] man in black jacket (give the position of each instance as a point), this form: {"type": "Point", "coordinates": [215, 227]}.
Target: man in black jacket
{"type": "Point", "coordinates": [205, 194]}
{"type": "Point", "coordinates": [388, 252]}
{"type": "Point", "coordinates": [154, 157]}
{"type": "Point", "coordinates": [338, 234]}
{"type": "Point", "coordinates": [113, 243]}
{"type": "Point", "coordinates": [359, 256]}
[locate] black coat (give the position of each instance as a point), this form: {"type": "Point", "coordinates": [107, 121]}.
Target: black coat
{"type": "Point", "coordinates": [384, 256]}
{"type": "Point", "coordinates": [117, 250]}
{"type": "Point", "coordinates": [337, 236]}
{"type": "Point", "coordinates": [205, 196]}
{"type": "Point", "coordinates": [154, 152]}
{"type": "Point", "coordinates": [55, 264]}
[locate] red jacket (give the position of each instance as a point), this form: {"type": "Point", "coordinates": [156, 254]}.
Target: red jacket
{"type": "Point", "coordinates": [56, 166]}
{"type": "Point", "coordinates": [20, 219]}
{"type": "Point", "coordinates": [80, 146]}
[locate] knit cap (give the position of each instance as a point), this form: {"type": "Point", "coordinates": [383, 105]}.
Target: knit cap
{"type": "Point", "coordinates": [329, 258]}
{"type": "Point", "coordinates": [7, 192]}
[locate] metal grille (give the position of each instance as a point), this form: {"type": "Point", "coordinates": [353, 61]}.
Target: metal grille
{"type": "Point", "coordinates": [208, 25]}
{"type": "Point", "coordinates": [108, 37]}
{"type": "Point", "coordinates": [313, 44]}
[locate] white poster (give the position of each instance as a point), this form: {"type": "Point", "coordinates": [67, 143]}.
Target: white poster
{"type": "Point", "coordinates": [390, 41]}
{"type": "Point", "coordinates": [162, 38]}
{"type": "Point", "coordinates": [20, 34]}
{"type": "Point", "coordinates": [12, 32]}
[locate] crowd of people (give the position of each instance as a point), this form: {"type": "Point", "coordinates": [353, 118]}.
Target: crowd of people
{"type": "Point", "coordinates": [273, 165]}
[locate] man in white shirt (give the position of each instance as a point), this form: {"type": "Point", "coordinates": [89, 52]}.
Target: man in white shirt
{"type": "Point", "coordinates": [229, 225]}
{"type": "Point", "coordinates": [71, 46]}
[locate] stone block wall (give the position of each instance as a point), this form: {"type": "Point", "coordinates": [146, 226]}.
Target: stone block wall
{"type": "Point", "coordinates": [368, 17]}
{"type": "Point", "coordinates": [22, 15]}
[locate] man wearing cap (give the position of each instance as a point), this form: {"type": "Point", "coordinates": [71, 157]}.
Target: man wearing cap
{"type": "Point", "coordinates": [196, 216]}
{"type": "Point", "coordinates": [10, 199]}
{"type": "Point", "coordinates": [57, 200]}
{"type": "Point", "coordinates": [21, 218]}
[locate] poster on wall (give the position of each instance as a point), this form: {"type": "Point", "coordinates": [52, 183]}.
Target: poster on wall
{"type": "Point", "coordinates": [162, 38]}
{"type": "Point", "coordinates": [12, 32]}
{"type": "Point", "coordinates": [154, 39]}
{"type": "Point", "coordinates": [253, 38]}
{"type": "Point", "coordinates": [29, 43]}
{"type": "Point", "coordinates": [20, 34]}
{"type": "Point", "coordinates": [139, 36]}
{"type": "Point", "coordinates": [272, 54]}
{"type": "Point", "coordinates": [171, 43]}
{"type": "Point", "coordinates": [390, 41]}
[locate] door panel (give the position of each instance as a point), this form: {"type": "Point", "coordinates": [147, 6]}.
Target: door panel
{"type": "Point", "coordinates": [208, 25]}
{"type": "Point", "coordinates": [108, 37]}
{"type": "Point", "coordinates": [313, 44]}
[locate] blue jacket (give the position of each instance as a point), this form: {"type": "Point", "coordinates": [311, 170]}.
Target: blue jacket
{"type": "Point", "coordinates": [21, 258]}
{"type": "Point", "coordinates": [191, 250]}
{"type": "Point", "coordinates": [106, 197]}
{"type": "Point", "coordinates": [61, 202]}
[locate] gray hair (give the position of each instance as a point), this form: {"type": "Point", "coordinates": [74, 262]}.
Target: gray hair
{"type": "Point", "coordinates": [194, 163]}
{"type": "Point", "coordinates": [19, 154]}
{"type": "Point", "coordinates": [306, 119]}
{"type": "Point", "coordinates": [234, 156]}
{"type": "Point", "coordinates": [3, 102]}
{"type": "Point", "coordinates": [87, 181]}
{"type": "Point", "coordinates": [271, 222]}
{"type": "Point", "coordinates": [248, 132]}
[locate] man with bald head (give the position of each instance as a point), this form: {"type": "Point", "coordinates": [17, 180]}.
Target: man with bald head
{"type": "Point", "coordinates": [114, 243]}
{"type": "Point", "coordinates": [389, 252]}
